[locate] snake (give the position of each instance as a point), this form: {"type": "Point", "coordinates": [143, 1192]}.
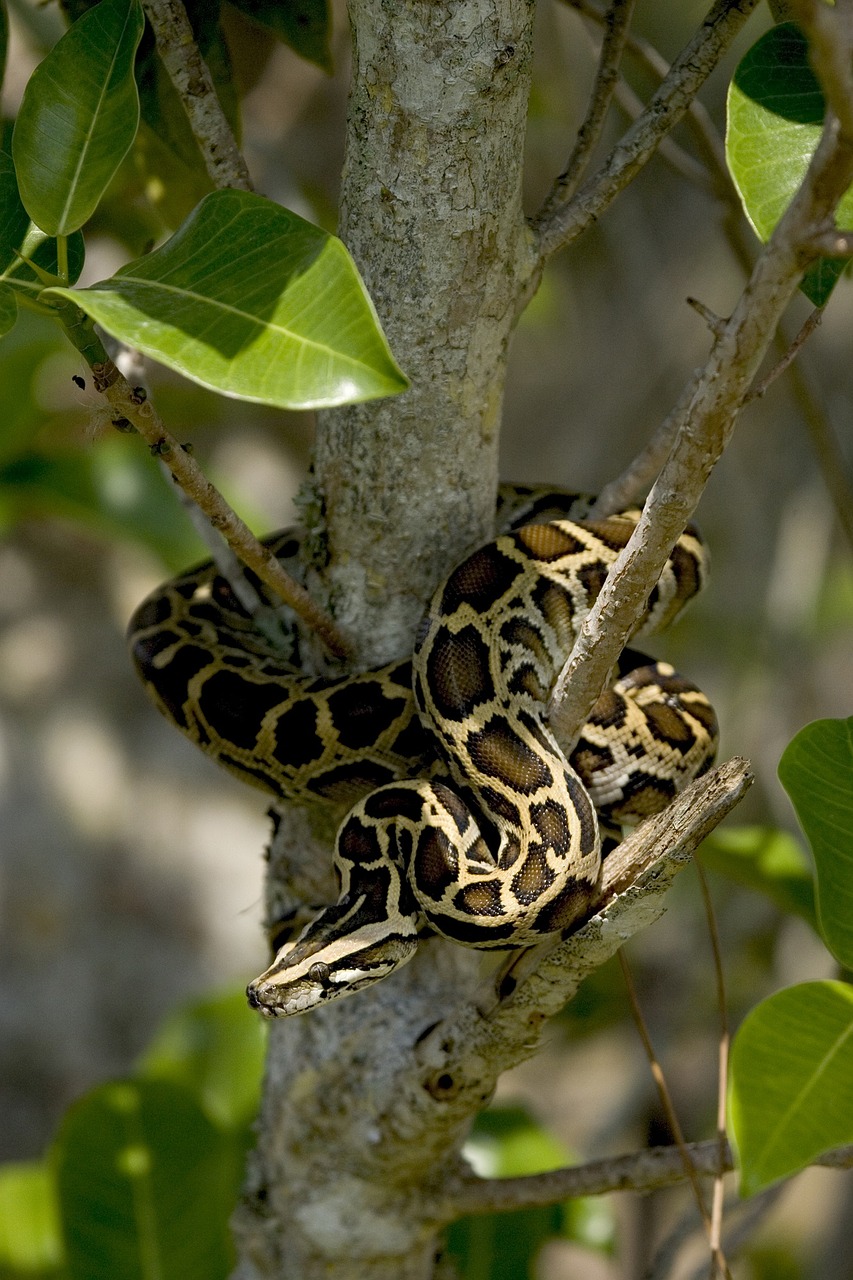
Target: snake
{"type": "Point", "coordinates": [464, 815]}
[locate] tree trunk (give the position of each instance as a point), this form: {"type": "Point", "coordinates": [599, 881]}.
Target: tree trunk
{"type": "Point", "coordinates": [431, 209]}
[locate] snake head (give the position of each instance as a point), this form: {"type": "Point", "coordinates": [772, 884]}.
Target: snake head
{"type": "Point", "coordinates": [346, 948]}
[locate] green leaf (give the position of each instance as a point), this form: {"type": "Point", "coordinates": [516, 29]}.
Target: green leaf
{"type": "Point", "coordinates": [215, 1048]}
{"type": "Point", "coordinates": [112, 489]}
{"type": "Point", "coordinates": [30, 1241]}
{"type": "Point", "coordinates": [78, 117]}
{"type": "Point", "coordinates": [18, 236]}
{"type": "Point", "coordinates": [508, 1142]}
{"type": "Point", "coordinates": [305, 25]}
{"type": "Point", "coordinates": [775, 115]}
{"type": "Point", "coordinates": [816, 770]}
{"type": "Point", "coordinates": [252, 301]}
{"type": "Point", "coordinates": [792, 1081]}
{"type": "Point", "coordinates": [766, 860]}
{"type": "Point", "coordinates": [144, 1183]}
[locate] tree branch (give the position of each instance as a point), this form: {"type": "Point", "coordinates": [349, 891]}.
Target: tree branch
{"type": "Point", "coordinates": [499, 1026]}
{"type": "Point", "coordinates": [561, 221]}
{"type": "Point", "coordinates": [709, 407]}
{"type": "Point", "coordinates": [189, 74]}
{"type": "Point", "coordinates": [616, 21]}
{"type": "Point", "coordinates": [132, 406]}
{"type": "Point", "coordinates": [650, 1170]}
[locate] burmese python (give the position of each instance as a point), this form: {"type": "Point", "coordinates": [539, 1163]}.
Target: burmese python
{"type": "Point", "coordinates": [496, 842]}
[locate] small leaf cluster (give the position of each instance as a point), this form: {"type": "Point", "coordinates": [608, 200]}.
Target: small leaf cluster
{"type": "Point", "coordinates": [776, 109]}
{"type": "Point", "coordinates": [246, 297]}
{"type": "Point", "coordinates": [144, 1172]}
{"type": "Point", "coordinates": [792, 1059]}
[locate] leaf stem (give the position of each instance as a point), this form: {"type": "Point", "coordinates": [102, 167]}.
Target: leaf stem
{"type": "Point", "coordinates": [133, 405]}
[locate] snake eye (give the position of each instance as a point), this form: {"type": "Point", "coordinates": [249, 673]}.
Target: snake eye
{"type": "Point", "coordinates": [320, 973]}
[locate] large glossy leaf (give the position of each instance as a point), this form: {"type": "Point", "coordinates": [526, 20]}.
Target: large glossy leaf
{"type": "Point", "coordinates": [775, 114]}
{"type": "Point", "coordinates": [30, 1243]}
{"type": "Point", "coordinates": [303, 24]}
{"type": "Point", "coordinates": [215, 1048]}
{"type": "Point", "coordinates": [78, 117]}
{"type": "Point", "coordinates": [767, 860]}
{"type": "Point", "coordinates": [142, 1192]}
{"type": "Point", "coordinates": [251, 300]}
{"type": "Point", "coordinates": [816, 770]}
{"type": "Point", "coordinates": [792, 1081]}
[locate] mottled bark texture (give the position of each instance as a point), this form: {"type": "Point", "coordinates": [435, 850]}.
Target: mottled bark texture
{"type": "Point", "coordinates": [431, 210]}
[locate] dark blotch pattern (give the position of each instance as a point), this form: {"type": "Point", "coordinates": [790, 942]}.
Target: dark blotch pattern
{"type": "Point", "coordinates": [549, 821]}
{"type": "Point", "coordinates": [458, 672]}
{"type": "Point", "coordinates": [436, 863]}
{"type": "Point", "coordinates": [297, 741]}
{"type": "Point", "coordinates": [533, 878]}
{"type": "Point", "coordinates": [172, 680]}
{"type": "Point", "coordinates": [549, 541]}
{"type": "Point", "coordinates": [362, 712]}
{"type": "Point", "coordinates": [395, 802]}
{"type": "Point", "coordinates": [349, 781]}
{"type": "Point", "coordinates": [235, 708]}
{"type": "Point", "coordinates": [480, 580]}
{"type": "Point", "coordinates": [498, 752]}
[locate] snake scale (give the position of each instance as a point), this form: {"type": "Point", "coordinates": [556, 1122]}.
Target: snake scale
{"type": "Point", "coordinates": [467, 818]}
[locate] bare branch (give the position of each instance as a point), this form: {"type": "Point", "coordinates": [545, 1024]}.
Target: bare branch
{"type": "Point", "coordinates": [833, 243]}
{"type": "Point", "coordinates": [830, 35]}
{"type": "Point", "coordinates": [710, 406]}
{"type": "Point", "coordinates": [714, 322]}
{"type": "Point", "coordinates": [616, 21]}
{"type": "Point", "coordinates": [647, 1170]}
{"type": "Point", "coordinates": [462, 1056]}
{"type": "Point", "coordinates": [132, 406]}
{"type": "Point", "coordinates": [189, 74]}
{"type": "Point", "coordinates": [559, 223]}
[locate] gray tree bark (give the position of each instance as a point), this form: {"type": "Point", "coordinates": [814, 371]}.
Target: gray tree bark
{"type": "Point", "coordinates": [431, 211]}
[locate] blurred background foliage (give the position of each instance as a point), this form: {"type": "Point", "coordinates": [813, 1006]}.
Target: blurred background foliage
{"type": "Point", "coordinates": [131, 868]}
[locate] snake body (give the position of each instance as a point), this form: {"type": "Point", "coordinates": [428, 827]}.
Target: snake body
{"type": "Point", "coordinates": [496, 840]}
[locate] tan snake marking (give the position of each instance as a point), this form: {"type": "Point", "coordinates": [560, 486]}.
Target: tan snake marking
{"type": "Point", "coordinates": [496, 842]}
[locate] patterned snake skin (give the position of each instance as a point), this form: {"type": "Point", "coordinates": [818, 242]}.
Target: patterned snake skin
{"type": "Point", "coordinates": [468, 818]}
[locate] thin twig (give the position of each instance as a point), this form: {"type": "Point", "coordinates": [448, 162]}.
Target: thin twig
{"type": "Point", "coordinates": [616, 21]}
{"type": "Point", "coordinates": [189, 74]}
{"type": "Point", "coordinates": [670, 1112]}
{"type": "Point", "coordinates": [559, 222]}
{"type": "Point", "coordinates": [717, 1259]}
{"type": "Point", "coordinates": [714, 322]}
{"type": "Point", "coordinates": [758, 389]}
{"type": "Point", "coordinates": [711, 404]}
{"type": "Point", "coordinates": [132, 405]}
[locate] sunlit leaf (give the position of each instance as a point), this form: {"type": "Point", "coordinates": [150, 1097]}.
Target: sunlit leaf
{"type": "Point", "coordinates": [252, 301]}
{"type": "Point", "coordinates": [508, 1142]}
{"type": "Point", "coordinates": [215, 1048]}
{"type": "Point", "coordinates": [775, 114]}
{"type": "Point", "coordinates": [78, 117]}
{"type": "Point", "coordinates": [816, 770]}
{"type": "Point", "coordinates": [30, 1241]}
{"type": "Point", "coordinates": [142, 1196]}
{"type": "Point", "coordinates": [792, 1081]}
